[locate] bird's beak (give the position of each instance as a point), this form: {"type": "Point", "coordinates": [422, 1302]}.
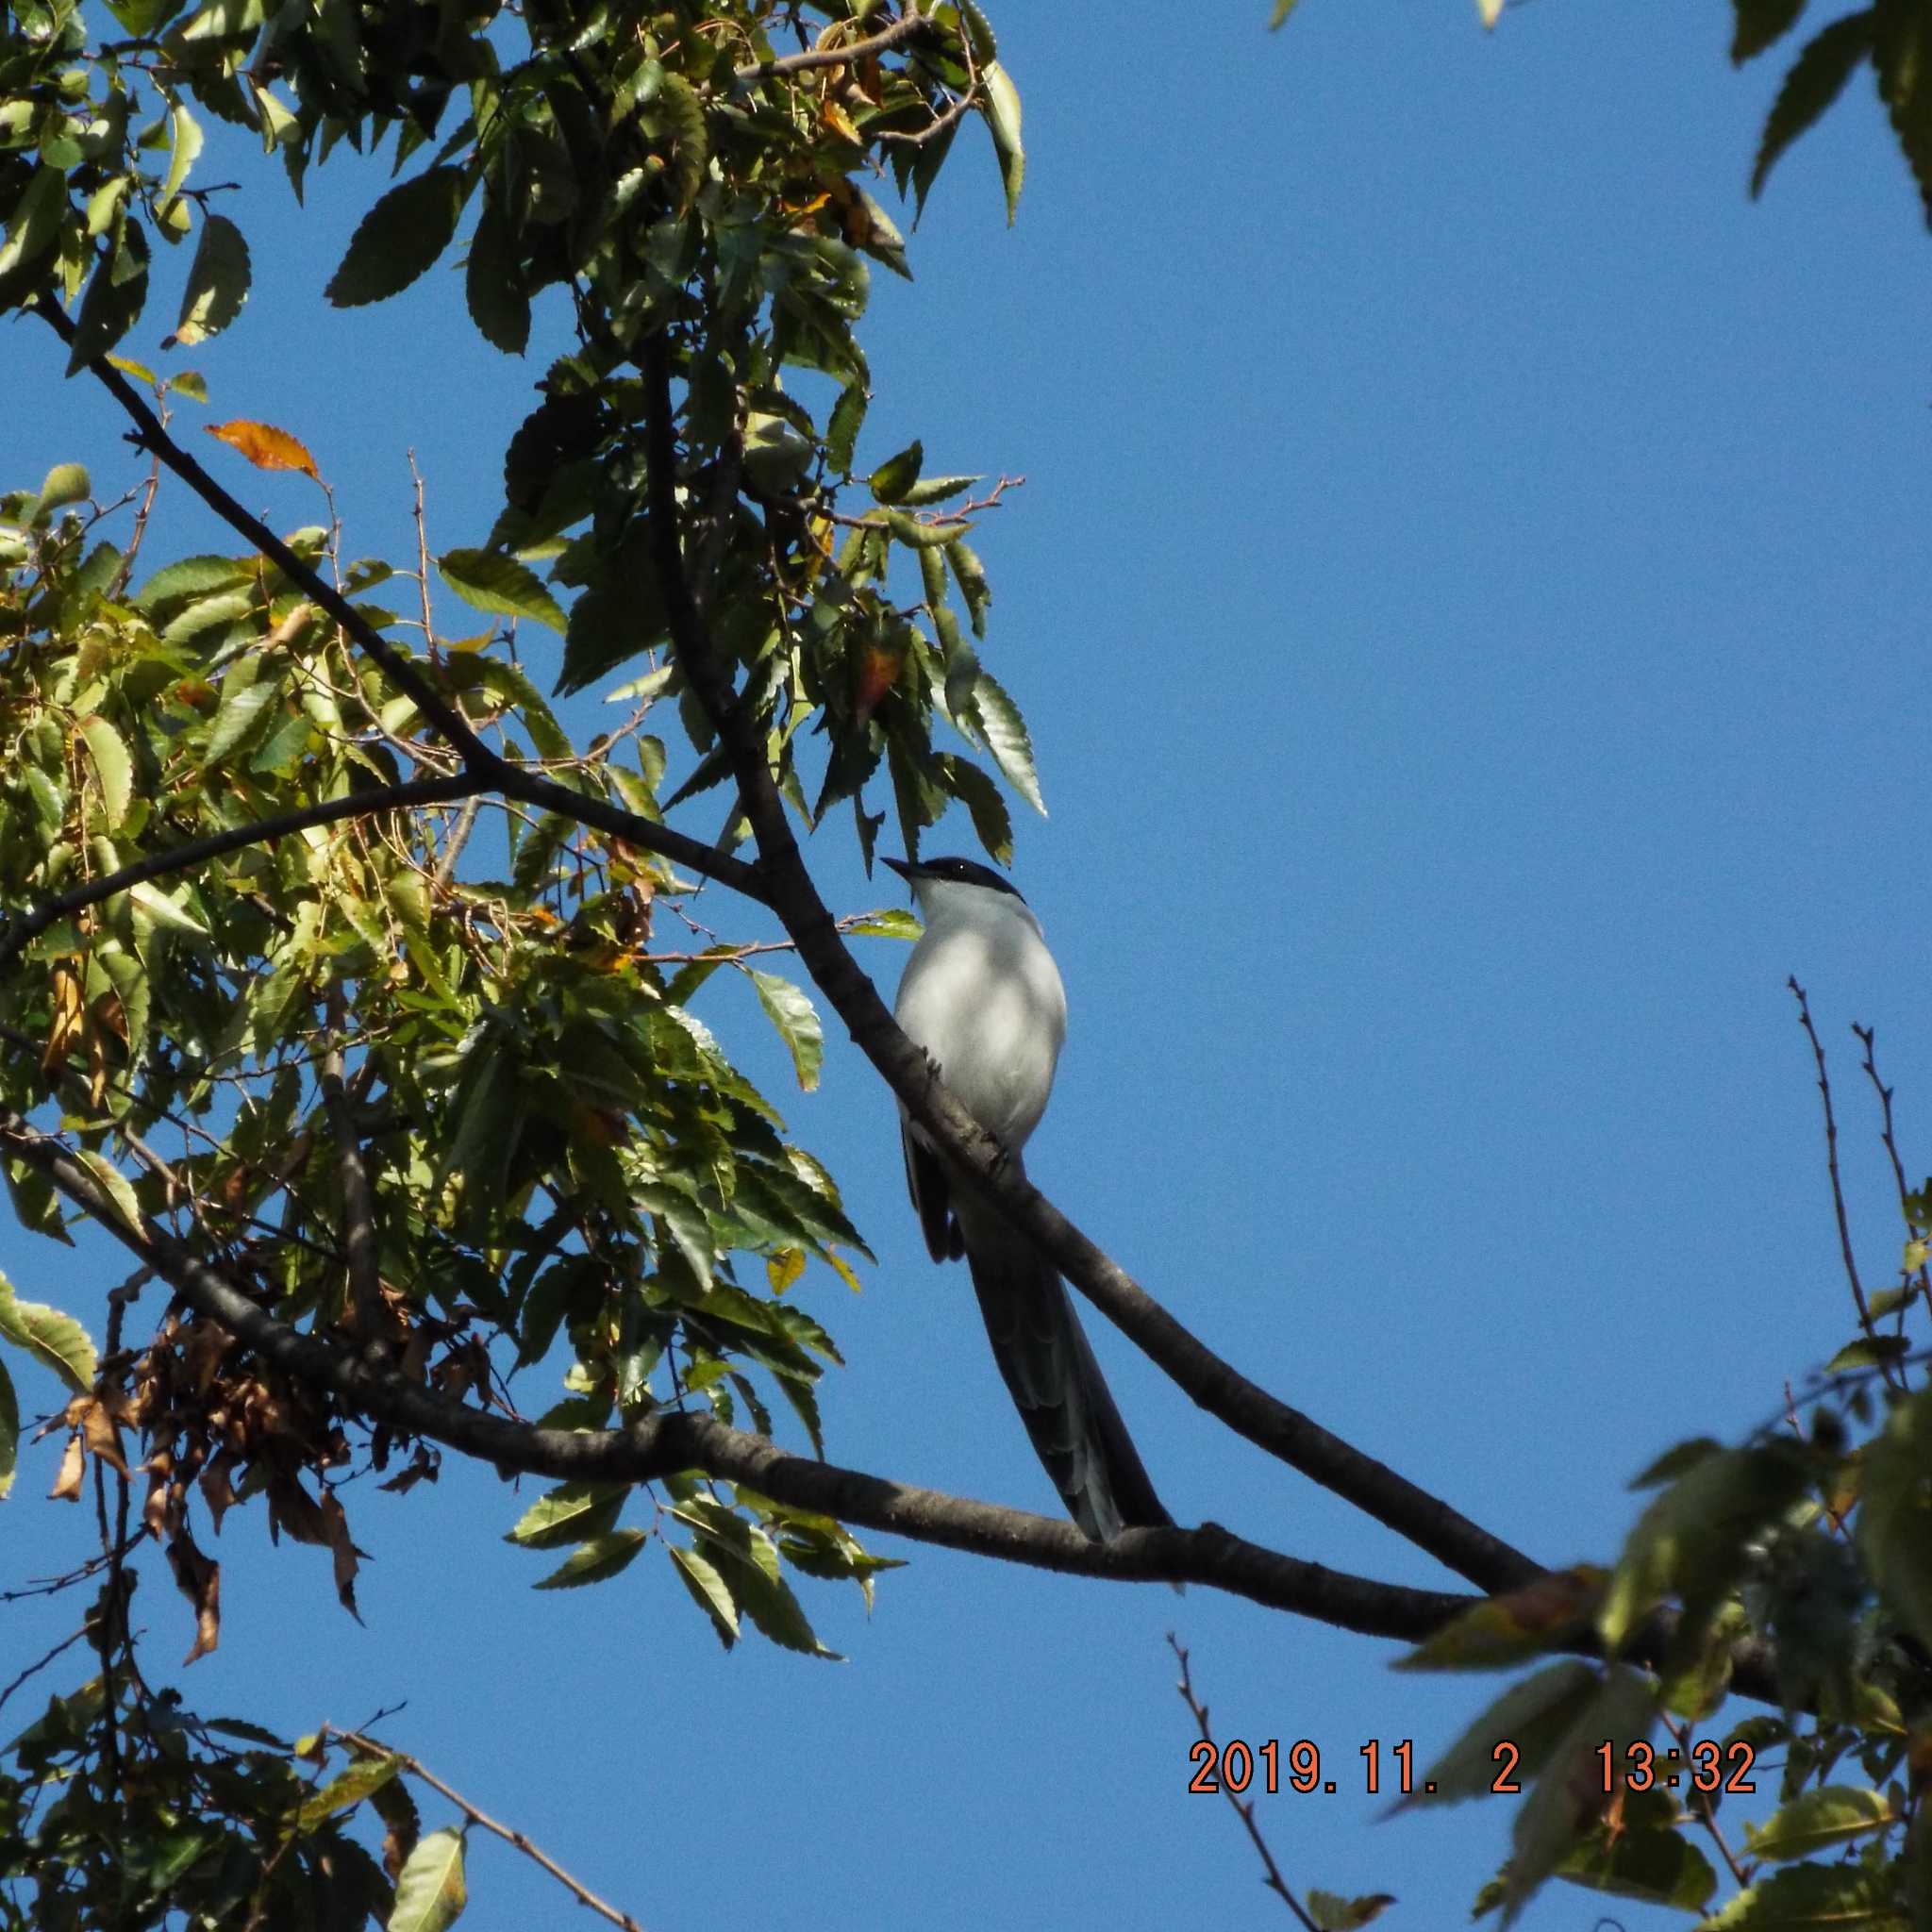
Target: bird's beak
{"type": "Point", "coordinates": [899, 866]}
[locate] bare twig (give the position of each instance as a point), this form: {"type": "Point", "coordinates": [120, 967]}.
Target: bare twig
{"type": "Point", "coordinates": [1701, 1801]}
{"type": "Point", "coordinates": [582, 1893]}
{"type": "Point", "coordinates": [1243, 1808]}
{"type": "Point", "coordinates": [41, 1663]}
{"type": "Point", "coordinates": [1838, 1192]}
{"type": "Point", "coordinates": [1867, 1036]}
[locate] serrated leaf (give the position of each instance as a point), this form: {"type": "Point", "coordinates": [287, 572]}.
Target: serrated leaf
{"type": "Point", "coordinates": [789, 1009]}
{"type": "Point", "coordinates": [1815, 1898]}
{"type": "Point", "coordinates": [931, 490]}
{"type": "Point", "coordinates": [399, 238]}
{"type": "Point", "coordinates": [66, 483]}
{"type": "Point", "coordinates": [112, 767]}
{"type": "Point", "coordinates": [241, 712]}
{"type": "Point", "coordinates": [184, 145]}
{"type": "Point", "coordinates": [699, 1575]}
{"type": "Point", "coordinates": [842, 426]}
{"type": "Point", "coordinates": [218, 280]}
{"type": "Point", "coordinates": [264, 446]}
{"type": "Point", "coordinates": [35, 221]}
{"type": "Point", "coordinates": [112, 1183]}
{"type": "Point", "coordinates": [570, 1513]}
{"type": "Point", "coordinates": [971, 575]}
{"type": "Point", "coordinates": [164, 911]}
{"type": "Point", "coordinates": [57, 1342]}
{"type": "Point", "coordinates": [1817, 77]}
{"type": "Point", "coordinates": [190, 576]}
{"type": "Point", "coordinates": [1007, 739]}
{"type": "Point", "coordinates": [1815, 1819]}
{"type": "Point", "coordinates": [492, 286]}
{"type": "Point", "coordinates": [431, 1889]}
{"type": "Point", "coordinates": [993, 825]}
{"type": "Point", "coordinates": [1532, 1715]}
{"type": "Point", "coordinates": [600, 1558]}
{"type": "Point", "coordinates": [1001, 103]}
{"type": "Point", "coordinates": [488, 580]}
{"type": "Point", "coordinates": [116, 293]}
{"type": "Point", "coordinates": [360, 1778]}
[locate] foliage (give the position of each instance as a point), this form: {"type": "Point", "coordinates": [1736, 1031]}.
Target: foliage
{"type": "Point", "coordinates": [435, 1050]}
{"type": "Point", "coordinates": [1807, 1552]}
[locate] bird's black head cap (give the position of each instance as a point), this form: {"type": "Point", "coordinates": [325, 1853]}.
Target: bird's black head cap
{"type": "Point", "coordinates": [965, 872]}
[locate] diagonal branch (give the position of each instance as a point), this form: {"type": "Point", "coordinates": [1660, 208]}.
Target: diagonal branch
{"type": "Point", "coordinates": [28, 925]}
{"type": "Point", "coordinates": [487, 766]}
{"type": "Point", "coordinates": [671, 1442]}
{"type": "Point", "coordinates": [1215, 1384]}
{"type": "Point", "coordinates": [909, 23]}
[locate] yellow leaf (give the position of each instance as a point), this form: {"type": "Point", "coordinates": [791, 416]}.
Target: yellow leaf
{"type": "Point", "coordinates": [265, 446]}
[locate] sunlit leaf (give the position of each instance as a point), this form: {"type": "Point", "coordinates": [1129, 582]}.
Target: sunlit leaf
{"type": "Point", "coordinates": [264, 446]}
{"type": "Point", "coordinates": [431, 1889]}
{"type": "Point", "coordinates": [57, 1342]}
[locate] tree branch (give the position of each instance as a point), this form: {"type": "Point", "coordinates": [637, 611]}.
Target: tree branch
{"type": "Point", "coordinates": [1216, 1385]}
{"type": "Point", "coordinates": [486, 765]}
{"type": "Point", "coordinates": [909, 23]}
{"type": "Point", "coordinates": [671, 1442]}
{"type": "Point", "coordinates": [28, 925]}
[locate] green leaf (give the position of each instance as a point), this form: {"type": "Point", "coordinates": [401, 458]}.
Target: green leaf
{"type": "Point", "coordinates": [430, 1892]}
{"type": "Point", "coordinates": [111, 1180]}
{"type": "Point", "coordinates": [241, 711]}
{"type": "Point", "coordinates": [601, 1557]}
{"type": "Point", "coordinates": [931, 490]}
{"type": "Point", "coordinates": [491, 581]}
{"type": "Point", "coordinates": [1694, 1539]}
{"type": "Point", "coordinates": [841, 427]}
{"type": "Point", "coordinates": [888, 922]}
{"type": "Point", "coordinates": [9, 1431]}
{"type": "Point", "coordinates": [699, 1575]}
{"type": "Point", "coordinates": [1894, 1523]}
{"type": "Point", "coordinates": [164, 910]}
{"type": "Point", "coordinates": [218, 280]}
{"type": "Point", "coordinates": [184, 144]}
{"type": "Point", "coordinates": [66, 483]}
{"type": "Point", "coordinates": [115, 296]}
{"type": "Point", "coordinates": [360, 1780]}
{"type": "Point", "coordinates": [1007, 739]}
{"type": "Point", "coordinates": [1817, 1820]}
{"type": "Point", "coordinates": [570, 1513]}
{"type": "Point", "coordinates": [1815, 1898]}
{"type": "Point", "coordinates": [1676, 1461]}
{"type": "Point", "coordinates": [1758, 22]}
{"type": "Point", "coordinates": [55, 1340]}
{"type": "Point", "coordinates": [112, 767]}
{"type": "Point", "coordinates": [492, 286]}
{"type": "Point", "coordinates": [1817, 77]}
{"type": "Point", "coordinates": [971, 575]}
{"type": "Point", "coordinates": [35, 221]}
{"type": "Point", "coordinates": [993, 825]}
{"type": "Point", "coordinates": [1532, 1715]}
{"type": "Point", "coordinates": [896, 475]}
{"type": "Point", "coordinates": [1654, 1863]}
{"type": "Point", "coordinates": [399, 238]}
{"type": "Point", "coordinates": [797, 1020]}
{"type": "Point", "coordinates": [1001, 104]}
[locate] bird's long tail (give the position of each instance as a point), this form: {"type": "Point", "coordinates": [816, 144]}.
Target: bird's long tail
{"type": "Point", "coordinates": [1055, 1381]}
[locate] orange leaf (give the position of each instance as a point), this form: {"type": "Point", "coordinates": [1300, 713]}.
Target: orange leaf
{"type": "Point", "coordinates": [265, 446]}
{"type": "Point", "coordinates": [879, 671]}
{"type": "Point", "coordinates": [69, 1022]}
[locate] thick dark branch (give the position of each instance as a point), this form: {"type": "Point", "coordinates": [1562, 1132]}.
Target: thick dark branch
{"type": "Point", "coordinates": [664, 1444]}
{"type": "Point", "coordinates": [909, 23]}
{"type": "Point", "coordinates": [484, 764]}
{"type": "Point", "coordinates": [1216, 1385]}
{"type": "Point", "coordinates": [28, 925]}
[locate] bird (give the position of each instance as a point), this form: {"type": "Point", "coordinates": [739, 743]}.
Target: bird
{"type": "Point", "coordinates": [981, 995]}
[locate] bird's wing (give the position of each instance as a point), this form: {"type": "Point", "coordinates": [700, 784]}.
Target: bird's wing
{"type": "Point", "coordinates": [1054, 1379]}
{"type": "Point", "coordinates": [932, 1198]}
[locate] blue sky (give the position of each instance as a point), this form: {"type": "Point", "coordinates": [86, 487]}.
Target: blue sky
{"type": "Point", "coordinates": [1462, 600]}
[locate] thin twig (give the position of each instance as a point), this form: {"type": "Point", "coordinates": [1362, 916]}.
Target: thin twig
{"type": "Point", "coordinates": [1243, 1808]}
{"type": "Point", "coordinates": [1701, 1801]}
{"type": "Point", "coordinates": [509, 1834]}
{"type": "Point", "coordinates": [67, 1642]}
{"type": "Point", "coordinates": [1838, 1192]}
{"type": "Point", "coordinates": [1867, 1036]}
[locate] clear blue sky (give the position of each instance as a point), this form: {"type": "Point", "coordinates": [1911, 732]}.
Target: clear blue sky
{"type": "Point", "coordinates": [1467, 599]}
